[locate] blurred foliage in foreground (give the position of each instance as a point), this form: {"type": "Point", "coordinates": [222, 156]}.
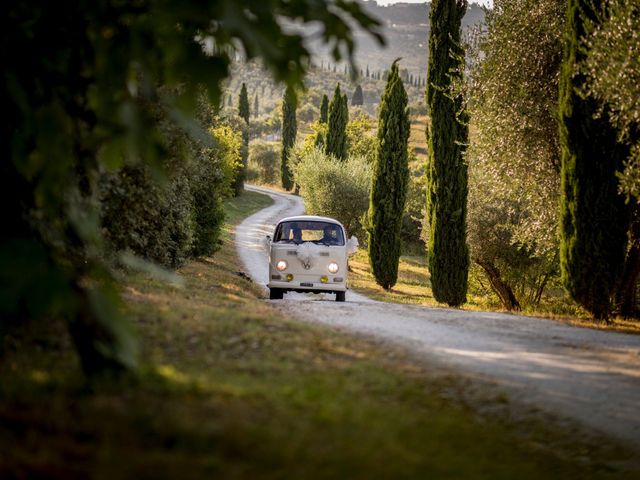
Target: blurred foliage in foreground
{"type": "Point", "coordinates": [95, 89]}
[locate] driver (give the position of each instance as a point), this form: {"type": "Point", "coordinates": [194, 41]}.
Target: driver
{"type": "Point", "coordinates": [328, 235]}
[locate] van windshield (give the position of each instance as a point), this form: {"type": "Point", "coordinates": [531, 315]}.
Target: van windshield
{"type": "Point", "coordinates": [323, 233]}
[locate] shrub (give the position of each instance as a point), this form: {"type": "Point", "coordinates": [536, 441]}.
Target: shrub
{"type": "Point", "coordinates": [361, 138]}
{"type": "Point", "coordinates": [151, 220]}
{"type": "Point", "coordinates": [337, 189]}
{"type": "Point", "coordinates": [264, 162]}
{"type": "Point", "coordinates": [169, 222]}
{"type": "Point", "coordinates": [211, 174]}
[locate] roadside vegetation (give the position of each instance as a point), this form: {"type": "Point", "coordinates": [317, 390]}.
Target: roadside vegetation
{"type": "Point", "coordinates": [230, 388]}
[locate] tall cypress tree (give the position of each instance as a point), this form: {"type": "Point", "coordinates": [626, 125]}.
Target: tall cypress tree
{"type": "Point", "coordinates": [447, 134]}
{"type": "Point", "coordinates": [289, 131]}
{"type": "Point", "coordinates": [256, 105]}
{"type": "Point", "coordinates": [324, 109]}
{"type": "Point", "coordinates": [243, 111]}
{"type": "Point", "coordinates": [594, 218]}
{"type": "Point", "coordinates": [337, 126]}
{"type": "Point", "coordinates": [389, 182]}
{"type": "Point", "coordinates": [358, 97]}
{"type": "Point", "coordinates": [243, 103]}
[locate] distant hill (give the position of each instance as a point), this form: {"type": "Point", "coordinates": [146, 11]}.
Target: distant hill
{"type": "Point", "coordinates": [406, 28]}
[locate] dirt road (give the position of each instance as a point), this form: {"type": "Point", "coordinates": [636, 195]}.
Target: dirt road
{"type": "Point", "coordinates": [585, 375]}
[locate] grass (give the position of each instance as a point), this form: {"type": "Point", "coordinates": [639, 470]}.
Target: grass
{"type": "Point", "coordinates": [231, 389]}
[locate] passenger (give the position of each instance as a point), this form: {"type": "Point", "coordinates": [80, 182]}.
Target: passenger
{"type": "Point", "coordinates": [297, 234]}
{"type": "Point", "coordinates": [328, 235]}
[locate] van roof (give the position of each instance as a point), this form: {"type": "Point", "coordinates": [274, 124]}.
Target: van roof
{"type": "Point", "coordinates": [310, 218]}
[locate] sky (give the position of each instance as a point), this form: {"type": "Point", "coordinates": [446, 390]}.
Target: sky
{"type": "Point", "coordinates": [487, 3]}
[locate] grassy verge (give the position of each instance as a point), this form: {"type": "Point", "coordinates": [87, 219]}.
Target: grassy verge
{"type": "Point", "coordinates": [230, 389]}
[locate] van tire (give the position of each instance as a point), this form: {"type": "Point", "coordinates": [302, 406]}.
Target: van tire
{"type": "Point", "coordinates": [340, 296]}
{"type": "Point", "coordinates": [276, 294]}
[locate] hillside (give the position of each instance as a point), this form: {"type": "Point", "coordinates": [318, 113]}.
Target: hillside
{"type": "Point", "coordinates": [406, 28]}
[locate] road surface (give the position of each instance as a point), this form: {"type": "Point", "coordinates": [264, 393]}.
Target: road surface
{"type": "Point", "coordinates": [586, 375]}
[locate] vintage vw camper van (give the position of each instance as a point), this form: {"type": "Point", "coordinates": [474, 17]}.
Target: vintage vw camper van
{"type": "Point", "coordinates": [309, 254]}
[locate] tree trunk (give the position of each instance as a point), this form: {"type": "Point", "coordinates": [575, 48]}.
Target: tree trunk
{"type": "Point", "coordinates": [625, 301]}
{"type": "Point", "coordinates": [499, 286]}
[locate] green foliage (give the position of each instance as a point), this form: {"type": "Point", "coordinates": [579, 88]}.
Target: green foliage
{"type": "Point", "coordinates": [316, 139]}
{"type": "Point", "coordinates": [357, 98]}
{"type": "Point", "coordinates": [612, 70]}
{"type": "Point", "coordinates": [335, 189]}
{"type": "Point", "coordinates": [241, 171]}
{"type": "Point", "coordinates": [78, 92]}
{"type": "Point", "coordinates": [243, 104]}
{"type": "Point", "coordinates": [264, 162]}
{"type": "Point", "coordinates": [389, 182]}
{"type": "Point", "coordinates": [514, 152]}
{"type": "Point", "coordinates": [414, 210]}
{"type": "Point", "coordinates": [594, 217]}
{"type": "Point", "coordinates": [245, 114]}
{"type": "Point", "coordinates": [447, 171]}
{"type": "Point", "coordinates": [336, 139]}
{"type": "Point", "coordinates": [509, 261]}
{"type": "Point", "coordinates": [152, 221]}
{"type": "Point", "coordinates": [171, 221]}
{"type": "Point", "coordinates": [289, 132]}
{"type": "Point", "coordinates": [324, 109]}
{"type": "Point", "coordinates": [361, 139]}
{"type": "Point", "coordinates": [211, 176]}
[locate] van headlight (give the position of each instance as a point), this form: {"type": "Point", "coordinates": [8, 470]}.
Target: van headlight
{"type": "Point", "coordinates": [333, 267]}
{"type": "Point", "coordinates": [281, 265]}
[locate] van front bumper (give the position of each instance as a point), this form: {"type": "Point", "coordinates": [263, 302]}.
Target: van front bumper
{"type": "Point", "coordinates": [314, 285]}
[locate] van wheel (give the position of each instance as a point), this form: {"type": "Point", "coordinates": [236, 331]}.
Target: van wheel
{"type": "Point", "coordinates": [276, 294]}
{"type": "Point", "coordinates": [340, 296]}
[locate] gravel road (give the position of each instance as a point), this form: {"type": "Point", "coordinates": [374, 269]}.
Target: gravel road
{"type": "Point", "coordinates": [585, 375]}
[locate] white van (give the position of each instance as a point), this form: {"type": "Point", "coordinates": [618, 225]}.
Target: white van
{"type": "Point", "coordinates": [309, 254]}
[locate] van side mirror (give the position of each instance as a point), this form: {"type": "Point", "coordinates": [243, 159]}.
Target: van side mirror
{"type": "Point", "coordinates": [352, 245]}
{"type": "Point", "coordinates": [266, 241]}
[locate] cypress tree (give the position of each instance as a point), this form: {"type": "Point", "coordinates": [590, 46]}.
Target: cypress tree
{"type": "Point", "coordinates": [358, 97]}
{"type": "Point", "coordinates": [389, 182]}
{"type": "Point", "coordinates": [448, 253]}
{"type": "Point", "coordinates": [336, 141]}
{"type": "Point", "coordinates": [256, 105]}
{"type": "Point", "coordinates": [594, 218]}
{"type": "Point", "coordinates": [324, 109]}
{"type": "Point", "coordinates": [243, 111]}
{"type": "Point", "coordinates": [243, 103]}
{"type": "Point", "coordinates": [289, 131]}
